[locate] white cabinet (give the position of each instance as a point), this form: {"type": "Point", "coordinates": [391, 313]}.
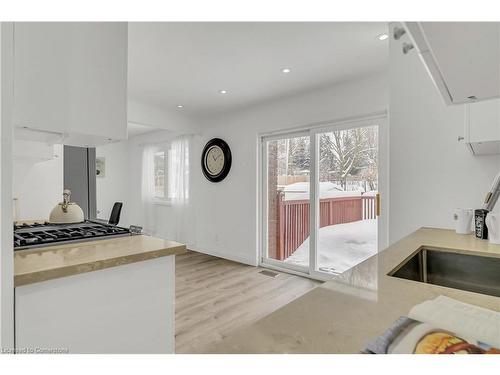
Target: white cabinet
{"type": "Point", "coordinates": [34, 151]}
{"type": "Point", "coordinates": [462, 58]}
{"type": "Point", "coordinates": [482, 127]}
{"type": "Point", "coordinates": [123, 309]}
{"type": "Point", "coordinates": [70, 81]}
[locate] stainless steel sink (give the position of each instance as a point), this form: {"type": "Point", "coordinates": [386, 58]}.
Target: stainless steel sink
{"type": "Point", "coordinates": [474, 273]}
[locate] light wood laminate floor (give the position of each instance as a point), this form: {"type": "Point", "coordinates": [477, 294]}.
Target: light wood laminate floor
{"type": "Point", "coordinates": [215, 296]}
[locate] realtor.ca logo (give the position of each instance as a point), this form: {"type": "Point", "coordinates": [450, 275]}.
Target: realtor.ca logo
{"type": "Point", "coordinates": [35, 350]}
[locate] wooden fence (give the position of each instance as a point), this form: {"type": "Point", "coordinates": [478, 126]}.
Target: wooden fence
{"type": "Point", "coordinates": [293, 218]}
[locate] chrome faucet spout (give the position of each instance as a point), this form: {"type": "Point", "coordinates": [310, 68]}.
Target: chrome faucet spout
{"type": "Point", "coordinates": [493, 195]}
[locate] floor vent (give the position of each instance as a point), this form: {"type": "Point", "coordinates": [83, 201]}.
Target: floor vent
{"type": "Point", "coordinates": [269, 273]}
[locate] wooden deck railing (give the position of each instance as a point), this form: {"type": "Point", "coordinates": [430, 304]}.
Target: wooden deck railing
{"type": "Point", "coordinates": [293, 218]}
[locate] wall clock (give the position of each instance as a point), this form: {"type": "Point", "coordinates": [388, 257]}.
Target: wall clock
{"type": "Point", "coordinates": [216, 160]}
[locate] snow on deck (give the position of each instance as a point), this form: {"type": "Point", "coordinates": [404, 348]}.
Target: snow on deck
{"type": "Point", "coordinates": [340, 246]}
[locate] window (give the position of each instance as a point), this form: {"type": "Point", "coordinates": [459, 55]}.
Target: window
{"type": "Point", "coordinates": [160, 175]}
{"type": "Point", "coordinates": [165, 172]}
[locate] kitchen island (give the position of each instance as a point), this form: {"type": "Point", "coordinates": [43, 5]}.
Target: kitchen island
{"type": "Point", "coordinates": [344, 314]}
{"type": "Point", "coordinates": [112, 295]}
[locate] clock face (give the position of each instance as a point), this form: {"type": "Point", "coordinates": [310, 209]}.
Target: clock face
{"type": "Point", "coordinates": [214, 160]}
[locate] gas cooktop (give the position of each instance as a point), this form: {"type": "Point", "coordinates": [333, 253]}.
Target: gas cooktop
{"type": "Point", "coordinates": [28, 236]}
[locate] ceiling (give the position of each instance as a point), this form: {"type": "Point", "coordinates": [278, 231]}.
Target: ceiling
{"type": "Point", "coordinates": [134, 129]}
{"type": "Point", "coordinates": [187, 64]}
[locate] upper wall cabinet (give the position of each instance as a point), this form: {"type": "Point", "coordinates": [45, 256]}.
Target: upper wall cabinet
{"type": "Point", "coordinates": [482, 127]}
{"type": "Point", "coordinates": [70, 82]}
{"type": "Point", "coordinates": [462, 58]}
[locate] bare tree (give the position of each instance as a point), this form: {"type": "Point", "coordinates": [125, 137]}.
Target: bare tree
{"type": "Point", "coordinates": [299, 159]}
{"type": "Point", "coordinates": [370, 173]}
{"type": "Point", "coordinates": [344, 155]}
{"type": "Point", "coordinates": [349, 153]}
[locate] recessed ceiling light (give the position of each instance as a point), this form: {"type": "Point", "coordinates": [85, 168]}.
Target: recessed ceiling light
{"type": "Point", "coordinates": [382, 36]}
{"type": "Point", "coordinates": [286, 70]}
{"type": "Point", "coordinates": [180, 106]}
{"type": "Point", "coordinates": [223, 92]}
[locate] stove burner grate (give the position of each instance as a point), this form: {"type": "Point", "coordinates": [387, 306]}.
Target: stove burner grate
{"type": "Point", "coordinates": [32, 235]}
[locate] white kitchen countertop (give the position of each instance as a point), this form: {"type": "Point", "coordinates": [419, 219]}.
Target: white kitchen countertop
{"type": "Point", "coordinates": [66, 259]}
{"type": "Point", "coordinates": [343, 314]}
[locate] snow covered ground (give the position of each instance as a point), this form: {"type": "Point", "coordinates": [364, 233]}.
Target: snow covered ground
{"type": "Point", "coordinates": [300, 191]}
{"type": "Point", "coordinates": [340, 246]}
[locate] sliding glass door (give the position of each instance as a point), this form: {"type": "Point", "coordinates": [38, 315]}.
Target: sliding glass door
{"type": "Point", "coordinates": [329, 180]}
{"type": "Point", "coordinates": [286, 190]}
{"type": "Point", "coordinates": [347, 179]}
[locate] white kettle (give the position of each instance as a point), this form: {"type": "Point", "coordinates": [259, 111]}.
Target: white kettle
{"type": "Point", "coordinates": [66, 212]}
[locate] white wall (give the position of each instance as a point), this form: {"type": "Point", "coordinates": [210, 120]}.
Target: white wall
{"type": "Point", "coordinates": [37, 185]}
{"type": "Point", "coordinates": [226, 212]}
{"type": "Point", "coordinates": [6, 250]}
{"type": "Point", "coordinates": [114, 186]}
{"type": "Point", "coordinates": [431, 172]}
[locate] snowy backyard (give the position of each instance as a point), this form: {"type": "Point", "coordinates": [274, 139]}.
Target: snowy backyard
{"type": "Point", "coordinates": [340, 246]}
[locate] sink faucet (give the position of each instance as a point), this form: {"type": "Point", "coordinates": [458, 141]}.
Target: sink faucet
{"type": "Point", "coordinates": [492, 196]}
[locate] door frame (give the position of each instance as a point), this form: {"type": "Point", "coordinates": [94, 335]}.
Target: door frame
{"type": "Point", "coordinates": [263, 209]}
{"type": "Point", "coordinates": [380, 119]}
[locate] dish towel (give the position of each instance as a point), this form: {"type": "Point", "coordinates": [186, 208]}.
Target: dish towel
{"type": "Point", "coordinates": [460, 317]}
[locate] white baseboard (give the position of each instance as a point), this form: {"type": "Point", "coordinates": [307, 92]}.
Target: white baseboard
{"type": "Point", "coordinates": [234, 258]}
